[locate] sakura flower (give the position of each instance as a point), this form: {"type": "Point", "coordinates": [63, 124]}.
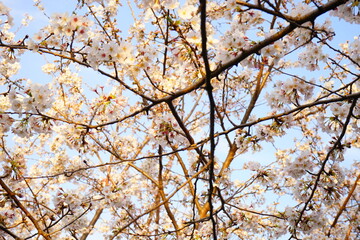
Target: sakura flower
{"type": "Point", "coordinates": [16, 105]}
{"type": "Point", "coordinates": [32, 45]}
{"type": "Point", "coordinates": [187, 12]}
{"type": "Point", "coordinates": [251, 165]}
{"type": "Point", "coordinates": [299, 10]}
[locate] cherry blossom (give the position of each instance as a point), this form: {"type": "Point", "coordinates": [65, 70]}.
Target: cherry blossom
{"type": "Point", "coordinates": [166, 119]}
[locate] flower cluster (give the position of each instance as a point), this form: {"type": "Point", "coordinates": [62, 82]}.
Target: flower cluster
{"type": "Point", "coordinates": [108, 52]}
{"type": "Point", "coordinates": [268, 132]}
{"type": "Point", "coordinates": [332, 120]}
{"type": "Point", "coordinates": [300, 10]}
{"type": "Point", "coordinates": [124, 118]}
{"type": "Point", "coordinates": [187, 12]}
{"type": "Point", "coordinates": [29, 125]}
{"type": "Point", "coordinates": [166, 130]}
{"type": "Point", "coordinates": [7, 214]}
{"type": "Point", "coordinates": [37, 98]}
{"type": "Point", "coordinates": [291, 91]}
{"type": "Point", "coordinates": [311, 57]}
{"type": "Point", "coordinates": [352, 49]}
{"type": "Point", "coordinates": [5, 123]}
{"type": "Point", "coordinates": [300, 165]}
{"type": "Point", "coordinates": [5, 11]}
{"type": "Point", "coordinates": [68, 201]}
{"type": "Point", "coordinates": [348, 11]}
{"type": "Point", "coordinates": [273, 53]}
{"type": "Point", "coordinates": [146, 4]}
{"type": "Point", "coordinates": [65, 25]}
{"type": "Point", "coordinates": [8, 67]}
{"type": "Point", "coordinates": [237, 39]}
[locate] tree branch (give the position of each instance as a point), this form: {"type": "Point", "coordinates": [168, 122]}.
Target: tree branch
{"type": "Point", "coordinates": [92, 223]}
{"type": "Point", "coordinates": [12, 195]}
{"type": "Point", "coordinates": [334, 147]}
{"type": "Point", "coordinates": [343, 206]}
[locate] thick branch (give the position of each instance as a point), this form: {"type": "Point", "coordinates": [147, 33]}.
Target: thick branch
{"type": "Point", "coordinates": [209, 89]}
{"type": "Point", "coordinates": [92, 223]}
{"type": "Point", "coordinates": [162, 192]}
{"type": "Point", "coordinates": [343, 206]}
